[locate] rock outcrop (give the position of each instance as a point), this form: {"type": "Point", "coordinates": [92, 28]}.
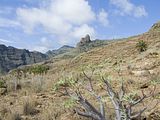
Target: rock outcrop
{"type": "Point", "coordinates": [11, 58]}
{"type": "Point", "coordinates": [155, 27]}
{"type": "Point", "coordinates": [84, 41]}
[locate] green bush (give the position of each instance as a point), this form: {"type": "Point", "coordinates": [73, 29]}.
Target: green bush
{"type": "Point", "coordinates": [2, 84]}
{"type": "Point", "coordinates": [64, 83]}
{"type": "Point", "coordinates": [39, 69]}
{"type": "Point", "coordinates": [141, 46]}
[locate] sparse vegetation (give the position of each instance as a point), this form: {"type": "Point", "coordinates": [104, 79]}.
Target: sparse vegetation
{"type": "Point", "coordinates": [62, 83]}
{"type": "Point", "coordinates": [141, 46]}
{"type": "Point", "coordinates": [39, 69]}
{"type": "Point", "coordinates": [38, 83]}
{"type": "Point", "coordinates": [2, 83]}
{"type": "Point", "coordinates": [155, 79]}
{"type": "Point", "coordinates": [35, 69]}
{"type": "Point", "coordinates": [29, 108]}
{"type": "Point", "coordinates": [69, 103]}
{"type": "Point", "coordinates": [65, 93]}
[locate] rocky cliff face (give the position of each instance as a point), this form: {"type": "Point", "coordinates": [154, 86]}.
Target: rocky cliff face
{"type": "Point", "coordinates": [11, 58]}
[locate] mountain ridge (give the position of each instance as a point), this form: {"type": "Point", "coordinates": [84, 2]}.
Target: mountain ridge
{"type": "Point", "coordinates": [11, 57]}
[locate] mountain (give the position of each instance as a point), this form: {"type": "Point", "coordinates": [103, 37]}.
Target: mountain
{"type": "Point", "coordinates": [11, 57]}
{"type": "Point", "coordinates": [63, 49]}
{"type": "Point", "coordinates": [116, 61]}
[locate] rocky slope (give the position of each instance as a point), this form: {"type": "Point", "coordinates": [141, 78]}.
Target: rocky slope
{"type": "Point", "coordinates": [11, 58]}
{"type": "Point", "coordinates": [116, 61]}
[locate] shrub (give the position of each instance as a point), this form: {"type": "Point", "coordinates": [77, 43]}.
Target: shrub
{"type": "Point", "coordinates": [39, 69]}
{"type": "Point", "coordinates": [35, 69]}
{"type": "Point", "coordinates": [2, 84]}
{"type": "Point", "coordinates": [28, 108]}
{"type": "Point", "coordinates": [64, 83]}
{"type": "Point", "coordinates": [38, 83]}
{"type": "Point", "coordinates": [141, 46]}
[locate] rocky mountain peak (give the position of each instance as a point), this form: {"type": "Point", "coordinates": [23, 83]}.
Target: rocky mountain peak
{"type": "Point", "coordinates": [84, 41]}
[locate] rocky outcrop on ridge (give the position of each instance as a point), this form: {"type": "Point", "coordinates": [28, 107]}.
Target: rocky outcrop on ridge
{"type": "Point", "coordinates": [84, 41]}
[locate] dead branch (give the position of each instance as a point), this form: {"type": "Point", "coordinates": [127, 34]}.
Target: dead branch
{"type": "Point", "coordinates": [120, 106]}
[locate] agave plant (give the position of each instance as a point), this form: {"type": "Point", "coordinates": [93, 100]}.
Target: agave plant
{"type": "Point", "coordinates": [141, 46]}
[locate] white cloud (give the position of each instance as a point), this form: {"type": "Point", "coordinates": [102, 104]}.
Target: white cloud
{"type": "Point", "coordinates": [76, 34]}
{"type": "Point", "coordinates": [103, 17]}
{"type": "Point", "coordinates": [83, 30]}
{"type": "Point", "coordinates": [4, 41]}
{"type": "Point", "coordinates": [125, 7]}
{"type": "Point", "coordinates": [73, 11]}
{"type": "Point", "coordinates": [44, 45]}
{"type": "Point", "coordinates": [59, 17]}
{"type": "Point", "coordinates": [40, 49]}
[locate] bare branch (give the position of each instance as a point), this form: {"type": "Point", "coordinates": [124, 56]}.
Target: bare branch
{"type": "Point", "coordinates": [122, 91]}
{"type": "Point", "coordinates": [138, 114]}
{"type": "Point", "coordinates": [109, 88]}
{"type": "Point", "coordinates": [90, 80]}
{"type": "Point", "coordinates": [138, 101]}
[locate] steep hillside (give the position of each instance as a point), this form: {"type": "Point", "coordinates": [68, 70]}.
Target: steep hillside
{"type": "Point", "coordinates": [117, 61]}
{"type": "Point", "coordinates": [11, 58]}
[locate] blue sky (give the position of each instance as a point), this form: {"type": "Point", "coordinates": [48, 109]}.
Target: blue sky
{"type": "Point", "coordinates": [48, 24]}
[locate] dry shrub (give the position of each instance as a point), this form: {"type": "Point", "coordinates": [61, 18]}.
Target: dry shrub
{"type": "Point", "coordinates": [29, 108]}
{"type": "Point", "coordinates": [38, 83]}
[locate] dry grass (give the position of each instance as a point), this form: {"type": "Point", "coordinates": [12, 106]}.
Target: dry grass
{"type": "Point", "coordinates": [29, 108]}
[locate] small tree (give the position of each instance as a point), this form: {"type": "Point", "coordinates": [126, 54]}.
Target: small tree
{"type": "Point", "coordinates": [141, 46]}
{"type": "Point", "coordinates": [123, 109]}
